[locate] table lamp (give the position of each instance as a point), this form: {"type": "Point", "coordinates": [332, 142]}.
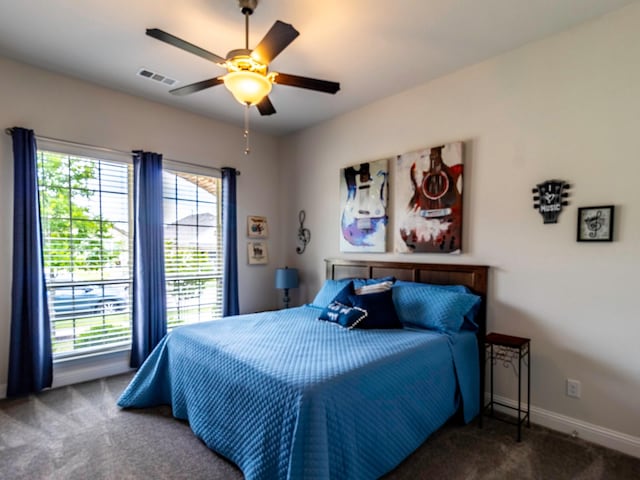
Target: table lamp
{"type": "Point", "coordinates": [286, 278]}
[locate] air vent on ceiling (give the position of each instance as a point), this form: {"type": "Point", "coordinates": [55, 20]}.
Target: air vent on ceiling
{"type": "Point", "coordinates": [155, 76]}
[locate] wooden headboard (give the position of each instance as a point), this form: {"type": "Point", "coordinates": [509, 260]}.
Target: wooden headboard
{"type": "Point", "coordinates": [473, 277]}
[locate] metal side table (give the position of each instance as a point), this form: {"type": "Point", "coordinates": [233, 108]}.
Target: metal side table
{"type": "Point", "coordinates": [510, 350]}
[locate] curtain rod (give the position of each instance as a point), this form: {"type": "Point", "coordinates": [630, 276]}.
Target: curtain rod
{"type": "Point", "coordinates": [9, 131]}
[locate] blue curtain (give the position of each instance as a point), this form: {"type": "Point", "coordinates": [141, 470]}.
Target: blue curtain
{"type": "Point", "coordinates": [30, 360]}
{"type": "Point", "coordinates": [149, 289]}
{"type": "Point", "coordinates": [230, 304]}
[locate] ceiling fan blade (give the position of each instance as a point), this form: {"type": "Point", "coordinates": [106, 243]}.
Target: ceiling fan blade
{"type": "Point", "coordinates": [306, 82]}
{"type": "Point", "coordinates": [196, 87]}
{"type": "Point", "coordinates": [184, 45]}
{"type": "Point", "coordinates": [265, 107]}
{"type": "Point", "coordinates": [277, 38]}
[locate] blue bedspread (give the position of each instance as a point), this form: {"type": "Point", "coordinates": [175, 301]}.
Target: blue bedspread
{"type": "Point", "coordinates": [284, 395]}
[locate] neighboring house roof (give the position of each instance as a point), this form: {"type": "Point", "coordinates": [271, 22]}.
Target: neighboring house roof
{"type": "Point", "coordinates": [194, 232]}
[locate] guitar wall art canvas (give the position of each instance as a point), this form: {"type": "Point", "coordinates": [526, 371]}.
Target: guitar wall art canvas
{"type": "Point", "coordinates": [364, 191]}
{"type": "Point", "coordinates": [428, 200]}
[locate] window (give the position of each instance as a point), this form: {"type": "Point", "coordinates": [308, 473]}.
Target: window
{"type": "Point", "coordinates": [193, 246]}
{"type": "Point", "coordinates": [86, 207]}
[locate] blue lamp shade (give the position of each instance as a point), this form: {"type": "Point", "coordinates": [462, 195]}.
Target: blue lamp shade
{"type": "Point", "coordinates": [286, 278]}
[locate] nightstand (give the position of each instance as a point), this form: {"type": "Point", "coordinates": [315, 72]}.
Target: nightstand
{"type": "Point", "coordinates": [510, 350]}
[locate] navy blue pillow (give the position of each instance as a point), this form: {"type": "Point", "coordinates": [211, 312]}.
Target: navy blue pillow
{"type": "Point", "coordinates": [381, 312]}
{"type": "Point", "coordinates": [344, 315]}
{"type": "Point", "coordinates": [341, 311]}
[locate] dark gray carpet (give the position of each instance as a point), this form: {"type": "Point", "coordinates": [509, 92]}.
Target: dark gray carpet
{"type": "Point", "coordinates": [78, 432]}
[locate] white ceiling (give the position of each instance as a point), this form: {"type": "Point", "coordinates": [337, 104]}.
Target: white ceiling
{"type": "Point", "coordinates": [374, 48]}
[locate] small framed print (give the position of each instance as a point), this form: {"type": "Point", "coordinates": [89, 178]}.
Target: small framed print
{"type": "Point", "coordinates": [257, 227]}
{"type": "Point", "coordinates": [257, 253]}
{"type": "Point", "coordinates": [595, 224]}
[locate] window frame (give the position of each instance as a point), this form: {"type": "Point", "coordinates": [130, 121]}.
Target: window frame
{"type": "Point", "coordinates": [99, 155]}
{"type": "Point", "coordinates": [182, 170]}
{"type": "Point", "coordinates": [169, 166]}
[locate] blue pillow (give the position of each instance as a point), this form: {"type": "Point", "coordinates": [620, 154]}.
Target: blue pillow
{"type": "Point", "coordinates": [381, 312]}
{"type": "Point", "coordinates": [470, 318]}
{"type": "Point", "coordinates": [359, 282]}
{"type": "Point", "coordinates": [329, 290]}
{"type": "Point", "coordinates": [451, 288]}
{"type": "Point", "coordinates": [433, 307]}
{"type": "Point", "coordinates": [343, 295]}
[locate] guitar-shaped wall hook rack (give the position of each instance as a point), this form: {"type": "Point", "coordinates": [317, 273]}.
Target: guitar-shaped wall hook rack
{"type": "Point", "coordinates": [304, 235]}
{"type": "Point", "coordinates": [549, 198]}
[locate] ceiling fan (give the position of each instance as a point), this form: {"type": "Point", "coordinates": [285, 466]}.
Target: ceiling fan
{"type": "Point", "coordinates": [248, 77]}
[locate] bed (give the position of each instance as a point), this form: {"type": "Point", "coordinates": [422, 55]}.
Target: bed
{"type": "Point", "coordinates": [284, 395]}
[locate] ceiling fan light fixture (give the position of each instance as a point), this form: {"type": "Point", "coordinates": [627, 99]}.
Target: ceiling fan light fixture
{"type": "Point", "coordinates": [248, 78]}
{"type": "Point", "coordinates": [247, 87]}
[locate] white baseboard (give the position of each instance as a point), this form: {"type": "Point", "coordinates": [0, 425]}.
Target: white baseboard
{"type": "Point", "coordinates": [92, 368]}
{"type": "Point", "coordinates": [593, 433]}
{"type": "Point", "coordinates": [69, 372]}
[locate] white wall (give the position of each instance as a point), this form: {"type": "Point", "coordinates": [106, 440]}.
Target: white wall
{"type": "Point", "coordinates": [566, 107]}
{"type": "Point", "coordinates": [61, 107]}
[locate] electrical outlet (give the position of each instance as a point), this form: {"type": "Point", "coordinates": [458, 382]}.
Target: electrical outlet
{"type": "Point", "coordinates": [573, 388]}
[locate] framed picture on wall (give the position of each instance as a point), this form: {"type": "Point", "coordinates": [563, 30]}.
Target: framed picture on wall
{"type": "Point", "coordinates": [257, 227]}
{"type": "Point", "coordinates": [364, 190]}
{"type": "Point", "coordinates": [257, 253]}
{"type": "Point", "coordinates": [595, 224]}
{"type": "Point", "coordinates": [428, 200]}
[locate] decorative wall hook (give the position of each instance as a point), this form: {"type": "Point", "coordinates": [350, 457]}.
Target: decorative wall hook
{"type": "Point", "coordinates": [549, 198]}
{"type": "Point", "coordinates": [304, 235]}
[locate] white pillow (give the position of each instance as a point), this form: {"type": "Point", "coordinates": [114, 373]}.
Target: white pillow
{"type": "Point", "coordinates": [374, 288]}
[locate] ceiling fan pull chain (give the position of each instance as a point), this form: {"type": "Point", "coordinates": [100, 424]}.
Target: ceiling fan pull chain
{"type": "Point", "coordinates": [247, 150]}
{"type": "Point", "coordinates": [246, 29]}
